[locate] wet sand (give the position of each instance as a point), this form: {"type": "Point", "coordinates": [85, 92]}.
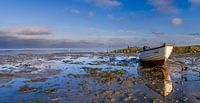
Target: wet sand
{"type": "Point", "coordinates": [97, 77]}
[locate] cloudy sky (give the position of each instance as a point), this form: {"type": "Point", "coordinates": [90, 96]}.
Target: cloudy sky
{"type": "Point", "coordinates": [98, 23]}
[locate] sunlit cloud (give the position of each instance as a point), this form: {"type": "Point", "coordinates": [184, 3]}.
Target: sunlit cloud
{"type": "Point", "coordinates": [105, 3]}
{"type": "Point", "coordinates": [177, 21]}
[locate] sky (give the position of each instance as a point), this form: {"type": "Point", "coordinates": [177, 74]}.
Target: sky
{"type": "Point", "coordinates": [98, 23]}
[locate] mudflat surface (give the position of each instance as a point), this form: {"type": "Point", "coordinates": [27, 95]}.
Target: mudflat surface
{"type": "Point", "coordinates": [97, 77]}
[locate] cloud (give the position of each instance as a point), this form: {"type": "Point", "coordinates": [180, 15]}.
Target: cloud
{"type": "Point", "coordinates": [164, 6]}
{"type": "Point", "coordinates": [33, 37]}
{"type": "Point", "coordinates": [114, 18]}
{"type": "Point", "coordinates": [72, 11]}
{"type": "Point", "coordinates": [195, 2]}
{"type": "Point", "coordinates": [127, 31]}
{"type": "Point", "coordinates": [32, 30]}
{"type": "Point", "coordinates": [90, 14]}
{"type": "Point", "coordinates": [105, 3]}
{"type": "Point", "coordinates": [158, 33]}
{"type": "Point", "coordinates": [177, 21]}
{"type": "Point", "coordinates": [14, 42]}
{"type": "Point", "coordinates": [195, 34]}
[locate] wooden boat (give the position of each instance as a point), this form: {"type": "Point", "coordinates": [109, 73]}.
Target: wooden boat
{"type": "Point", "coordinates": [157, 55]}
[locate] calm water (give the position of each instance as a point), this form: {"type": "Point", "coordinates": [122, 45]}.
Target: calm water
{"type": "Point", "coordinates": [96, 78]}
{"type": "Point", "coordinates": [48, 50]}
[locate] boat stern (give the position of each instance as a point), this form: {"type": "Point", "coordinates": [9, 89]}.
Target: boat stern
{"type": "Point", "coordinates": [168, 51]}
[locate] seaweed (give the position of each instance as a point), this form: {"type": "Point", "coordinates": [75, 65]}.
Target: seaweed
{"type": "Point", "coordinates": [37, 80]}
{"type": "Point", "coordinates": [50, 91]}
{"type": "Point", "coordinates": [26, 88]}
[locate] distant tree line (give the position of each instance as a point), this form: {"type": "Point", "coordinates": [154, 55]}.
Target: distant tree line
{"type": "Point", "coordinates": [187, 49]}
{"type": "Point", "coordinates": [177, 49]}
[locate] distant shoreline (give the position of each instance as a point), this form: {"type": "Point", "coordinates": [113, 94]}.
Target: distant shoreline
{"type": "Point", "coordinates": [177, 49]}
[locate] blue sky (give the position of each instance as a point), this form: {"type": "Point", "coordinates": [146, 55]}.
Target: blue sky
{"type": "Point", "coordinates": [98, 23]}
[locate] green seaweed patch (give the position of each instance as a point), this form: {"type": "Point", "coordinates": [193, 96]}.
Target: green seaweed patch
{"type": "Point", "coordinates": [37, 80]}
{"type": "Point", "coordinates": [26, 88]}
{"type": "Point", "coordinates": [108, 76]}
{"type": "Point", "coordinates": [103, 76]}
{"type": "Point", "coordinates": [119, 72]}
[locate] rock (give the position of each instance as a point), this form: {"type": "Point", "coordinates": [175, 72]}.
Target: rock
{"type": "Point", "coordinates": [112, 99]}
{"type": "Point", "coordinates": [127, 98]}
{"type": "Point", "coordinates": [153, 83]}
{"type": "Point", "coordinates": [177, 89]}
{"type": "Point", "coordinates": [145, 97]}
{"type": "Point", "coordinates": [198, 98]}
{"type": "Point", "coordinates": [176, 101]}
{"type": "Point", "coordinates": [55, 99]}
{"type": "Point", "coordinates": [134, 99]}
{"type": "Point", "coordinates": [178, 82]}
{"type": "Point", "coordinates": [185, 99]}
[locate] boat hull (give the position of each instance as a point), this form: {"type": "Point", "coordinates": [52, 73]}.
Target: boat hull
{"type": "Point", "coordinates": [156, 56]}
{"type": "Point", "coordinates": [154, 62]}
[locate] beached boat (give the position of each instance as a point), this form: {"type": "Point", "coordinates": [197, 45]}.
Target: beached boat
{"type": "Point", "coordinates": [157, 55]}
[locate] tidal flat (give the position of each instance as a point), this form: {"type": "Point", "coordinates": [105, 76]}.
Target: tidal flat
{"type": "Point", "coordinates": [85, 77]}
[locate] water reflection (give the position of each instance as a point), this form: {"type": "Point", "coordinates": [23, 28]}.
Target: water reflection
{"type": "Point", "coordinates": [157, 79]}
